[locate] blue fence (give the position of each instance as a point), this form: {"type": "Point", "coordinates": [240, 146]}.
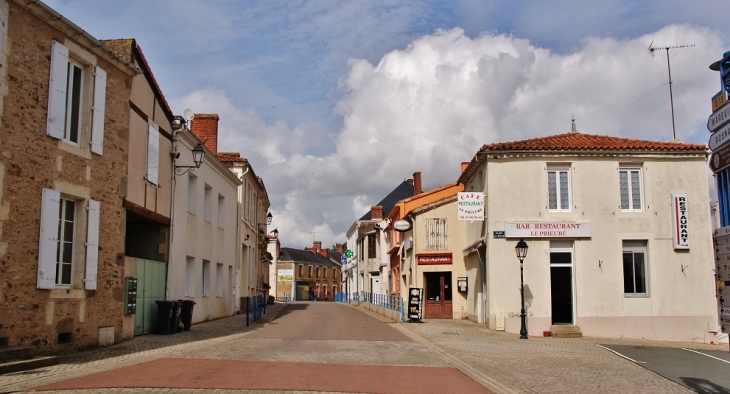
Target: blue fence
{"type": "Point", "coordinates": [393, 303]}
{"type": "Point", "coordinates": [255, 307]}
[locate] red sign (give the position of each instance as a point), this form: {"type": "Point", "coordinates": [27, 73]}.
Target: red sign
{"type": "Point", "coordinates": [428, 259]}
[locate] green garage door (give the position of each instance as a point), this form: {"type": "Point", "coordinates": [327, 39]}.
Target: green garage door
{"type": "Point", "coordinates": [151, 280]}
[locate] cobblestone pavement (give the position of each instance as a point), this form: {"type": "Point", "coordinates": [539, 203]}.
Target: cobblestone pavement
{"type": "Point", "coordinates": [497, 360]}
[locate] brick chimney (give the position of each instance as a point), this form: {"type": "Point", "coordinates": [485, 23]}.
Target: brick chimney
{"type": "Point", "coordinates": [325, 252]}
{"type": "Point", "coordinates": [316, 246]}
{"type": "Point", "coordinates": [376, 212]}
{"type": "Point", "coordinates": [464, 164]}
{"type": "Point", "coordinates": [417, 183]}
{"type": "Point", "coordinates": [205, 127]}
{"type": "Point", "coordinates": [340, 248]}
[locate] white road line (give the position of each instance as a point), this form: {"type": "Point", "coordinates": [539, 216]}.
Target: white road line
{"type": "Point", "coordinates": [621, 355]}
{"type": "Point", "coordinates": [695, 351]}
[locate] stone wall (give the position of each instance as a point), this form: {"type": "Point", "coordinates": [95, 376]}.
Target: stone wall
{"type": "Point", "coordinates": [30, 161]}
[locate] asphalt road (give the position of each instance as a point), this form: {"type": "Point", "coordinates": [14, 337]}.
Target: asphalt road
{"type": "Point", "coordinates": [705, 371]}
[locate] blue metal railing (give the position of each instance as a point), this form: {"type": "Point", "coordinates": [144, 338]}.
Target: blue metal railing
{"type": "Point", "coordinates": [255, 308]}
{"type": "Point", "coordinates": [389, 302]}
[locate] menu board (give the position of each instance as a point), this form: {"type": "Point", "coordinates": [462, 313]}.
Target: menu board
{"type": "Point", "coordinates": [415, 304]}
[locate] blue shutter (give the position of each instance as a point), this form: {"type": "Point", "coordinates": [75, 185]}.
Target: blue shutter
{"type": "Point", "coordinates": [92, 245]}
{"type": "Point", "coordinates": [48, 240]}
{"type": "Point", "coordinates": [56, 123]}
{"type": "Point", "coordinates": [97, 119]}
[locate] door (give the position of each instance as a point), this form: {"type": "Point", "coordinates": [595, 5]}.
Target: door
{"type": "Point", "coordinates": [437, 303]}
{"type": "Point", "coordinates": [151, 281]}
{"type": "Point", "coordinates": [561, 285]}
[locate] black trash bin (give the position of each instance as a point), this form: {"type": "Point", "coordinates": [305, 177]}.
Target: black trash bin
{"type": "Point", "coordinates": [164, 317]}
{"type": "Point", "coordinates": [186, 313]}
{"type": "Point", "coordinates": [175, 320]}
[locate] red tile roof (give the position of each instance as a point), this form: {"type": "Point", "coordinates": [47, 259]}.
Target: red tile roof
{"type": "Point", "coordinates": [588, 142]}
{"type": "Point", "coordinates": [231, 157]}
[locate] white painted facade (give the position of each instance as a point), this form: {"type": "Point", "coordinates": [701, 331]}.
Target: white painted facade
{"type": "Point", "coordinates": [202, 265]}
{"type": "Point", "coordinates": [677, 302]}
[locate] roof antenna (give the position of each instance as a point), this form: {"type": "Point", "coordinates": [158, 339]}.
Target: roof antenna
{"type": "Point", "coordinates": [573, 129]}
{"type": "Point", "coordinates": [671, 99]}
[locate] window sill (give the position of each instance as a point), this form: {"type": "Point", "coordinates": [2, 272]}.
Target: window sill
{"type": "Point", "coordinates": [74, 149]}
{"type": "Point", "coordinates": [636, 295]}
{"type": "Point", "coordinates": [67, 294]}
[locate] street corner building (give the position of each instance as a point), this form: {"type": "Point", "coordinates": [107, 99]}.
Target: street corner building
{"type": "Point", "coordinates": [63, 177]}
{"type": "Point", "coordinates": [619, 234]}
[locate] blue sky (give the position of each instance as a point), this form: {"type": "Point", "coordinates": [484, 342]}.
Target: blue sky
{"type": "Point", "coordinates": [335, 103]}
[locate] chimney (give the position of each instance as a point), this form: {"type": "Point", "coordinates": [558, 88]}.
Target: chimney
{"type": "Point", "coordinates": [410, 180]}
{"type": "Point", "coordinates": [416, 183]}
{"type": "Point", "coordinates": [205, 127]}
{"type": "Point", "coordinates": [324, 252]}
{"type": "Point", "coordinates": [316, 246]}
{"type": "Point", "coordinates": [340, 248]}
{"type": "Point", "coordinates": [464, 164]}
{"type": "Point", "coordinates": [376, 212]}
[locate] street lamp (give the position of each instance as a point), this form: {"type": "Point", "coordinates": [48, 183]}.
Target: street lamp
{"type": "Point", "coordinates": [521, 251]}
{"type": "Point", "coordinates": [269, 218]}
{"type": "Point", "coordinates": [275, 232]}
{"type": "Point", "coordinates": [198, 153]}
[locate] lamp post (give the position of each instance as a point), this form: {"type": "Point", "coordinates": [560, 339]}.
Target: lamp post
{"type": "Point", "coordinates": [521, 251]}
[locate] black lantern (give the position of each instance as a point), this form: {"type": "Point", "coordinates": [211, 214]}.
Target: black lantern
{"type": "Point", "coordinates": [198, 154]}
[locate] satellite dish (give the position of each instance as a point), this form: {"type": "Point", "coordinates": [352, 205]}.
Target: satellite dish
{"type": "Point", "coordinates": [188, 114]}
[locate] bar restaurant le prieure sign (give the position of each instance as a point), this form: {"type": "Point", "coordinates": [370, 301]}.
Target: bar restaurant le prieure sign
{"type": "Point", "coordinates": [434, 258]}
{"type": "Point", "coordinates": [547, 229]}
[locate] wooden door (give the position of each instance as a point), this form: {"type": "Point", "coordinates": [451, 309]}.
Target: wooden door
{"type": "Point", "coordinates": [437, 300]}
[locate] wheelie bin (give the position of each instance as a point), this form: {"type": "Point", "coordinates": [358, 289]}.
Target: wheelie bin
{"type": "Point", "coordinates": [186, 313]}
{"type": "Point", "coordinates": [175, 319]}
{"type": "Point", "coordinates": [164, 317]}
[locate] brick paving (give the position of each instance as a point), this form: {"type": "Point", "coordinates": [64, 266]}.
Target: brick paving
{"type": "Point", "coordinates": [499, 361]}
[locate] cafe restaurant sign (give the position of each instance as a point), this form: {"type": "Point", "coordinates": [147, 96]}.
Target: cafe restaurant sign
{"type": "Point", "coordinates": [547, 229]}
{"type": "Point", "coordinates": [470, 206]}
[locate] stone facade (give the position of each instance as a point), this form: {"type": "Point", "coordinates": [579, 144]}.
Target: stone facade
{"type": "Point", "coordinates": [70, 315]}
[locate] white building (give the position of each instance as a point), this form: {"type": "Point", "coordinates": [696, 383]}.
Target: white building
{"type": "Point", "coordinates": [619, 236]}
{"type": "Point", "coordinates": [203, 246]}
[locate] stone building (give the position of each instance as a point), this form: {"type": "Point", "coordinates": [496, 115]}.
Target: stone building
{"type": "Point", "coordinates": [63, 177]}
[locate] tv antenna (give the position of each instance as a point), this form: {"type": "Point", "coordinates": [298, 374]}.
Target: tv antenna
{"type": "Point", "coordinates": [671, 98]}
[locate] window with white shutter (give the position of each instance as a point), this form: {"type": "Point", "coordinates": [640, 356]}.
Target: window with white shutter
{"type": "Point", "coordinates": [67, 105]}
{"type": "Point", "coordinates": [48, 241]}
{"type": "Point", "coordinates": [153, 153]}
{"type": "Point", "coordinates": [436, 234]}
{"type": "Point", "coordinates": [92, 244]}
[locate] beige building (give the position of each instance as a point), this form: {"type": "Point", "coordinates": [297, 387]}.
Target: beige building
{"type": "Point", "coordinates": [301, 272]}
{"type": "Point", "coordinates": [148, 193]}
{"type": "Point", "coordinates": [619, 237]}
{"type": "Point", "coordinates": [63, 177]}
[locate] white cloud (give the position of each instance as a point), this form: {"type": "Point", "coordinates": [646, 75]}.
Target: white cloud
{"type": "Point", "coordinates": [431, 105]}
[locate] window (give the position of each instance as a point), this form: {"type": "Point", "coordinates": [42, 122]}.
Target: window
{"type": "Point", "coordinates": [208, 203]}
{"type": "Point", "coordinates": [334, 273]}
{"type": "Point", "coordinates": [61, 219]}
{"type": "Point", "coordinates": [301, 271]}
{"type": "Point", "coordinates": [67, 105]}
{"type": "Point", "coordinates": [309, 274]}
{"type": "Point", "coordinates": [219, 280]}
{"type": "Point", "coordinates": [192, 193]}
{"type": "Point", "coordinates": [371, 246]}
{"type": "Point", "coordinates": [634, 256]}
{"type": "Point", "coordinates": [317, 272]}
{"type": "Point", "coordinates": [206, 278]}
{"type": "Point", "coordinates": [436, 234]}
{"type": "Point", "coordinates": [189, 276]}
{"type": "Point", "coordinates": [153, 153]}
{"type": "Point", "coordinates": [558, 188]}
{"type": "Point", "coordinates": [630, 183]}
{"type": "Point", "coordinates": [221, 211]}
{"type": "Point", "coordinates": [324, 276]}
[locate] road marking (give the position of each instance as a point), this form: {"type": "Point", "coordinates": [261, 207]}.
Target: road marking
{"type": "Point", "coordinates": [621, 355]}
{"type": "Point", "coordinates": [695, 351]}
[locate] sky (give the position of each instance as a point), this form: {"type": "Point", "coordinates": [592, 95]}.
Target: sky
{"type": "Point", "coordinates": [335, 103]}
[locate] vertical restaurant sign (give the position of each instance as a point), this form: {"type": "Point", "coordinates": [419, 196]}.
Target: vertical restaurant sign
{"type": "Point", "coordinates": [415, 304]}
{"type": "Point", "coordinates": [470, 205]}
{"type": "Point", "coordinates": [680, 221]}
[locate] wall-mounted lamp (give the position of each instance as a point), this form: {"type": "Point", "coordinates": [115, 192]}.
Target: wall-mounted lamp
{"type": "Point", "coordinates": [198, 154]}
{"type": "Point", "coordinates": [275, 232]}
{"type": "Point", "coordinates": [269, 218]}
{"type": "Point", "coordinates": [247, 237]}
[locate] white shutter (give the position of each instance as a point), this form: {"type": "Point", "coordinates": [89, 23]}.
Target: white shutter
{"type": "Point", "coordinates": [56, 123]}
{"type": "Point", "coordinates": [153, 153]}
{"type": "Point", "coordinates": [97, 120]}
{"type": "Point", "coordinates": [48, 240]}
{"type": "Point", "coordinates": [92, 245]}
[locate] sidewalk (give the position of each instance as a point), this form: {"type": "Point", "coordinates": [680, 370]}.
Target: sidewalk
{"type": "Point", "coordinates": [136, 350]}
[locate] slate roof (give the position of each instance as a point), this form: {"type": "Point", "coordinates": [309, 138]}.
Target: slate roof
{"type": "Point", "coordinates": [305, 256]}
{"type": "Point", "coordinates": [589, 142]}
{"type": "Point", "coordinates": [404, 190]}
